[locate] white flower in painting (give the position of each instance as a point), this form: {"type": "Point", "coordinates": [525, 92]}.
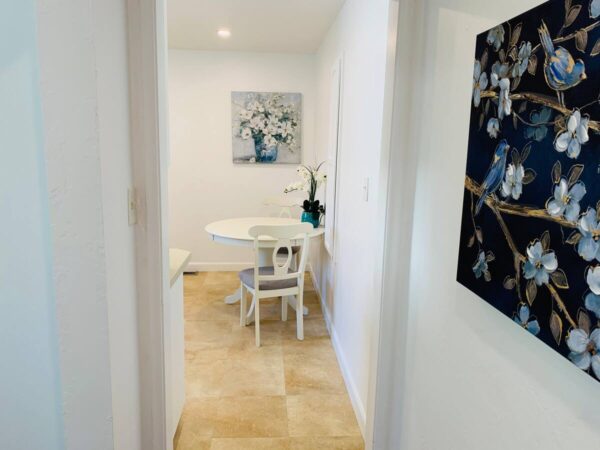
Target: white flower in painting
{"type": "Point", "coordinates": [588, 246]}
{"type": "Point", "coordinates": [257, 123]}
{"type": "Point", "coordinates": [493, 127]}
{"type": "Point", "coordinates": [512, 186]}
{"type": "Point", "coordinates": [524, 319]}
{"type": "Point", "coordinates": [245, 114]}
{"type": "Point", "coordinates": [539, 264]}
{"type": "Point", "coordinates": [495, 37]}
{"type": "Point", "coordinates": [499, 71]}
{"type": "Point", "coordinates": [593, 279]}
{"type": "Point", "coordinates": [480, 83]}
{"type": "Point", "coordinates": [566, 201]}
{"type": "Point", "coordinates": [522, 61]}
{"type": "Point", "coordinates": [246, 133]}
{"type": "Point", "coordinates": [575, 136]}
{"type": "Point", "coordinates": [504, 101]}
{"type": "Point", "coordinates": [595, 9]}
{"type": "Point", "coordinates": [585, 349]}
{"type": "Point", "coordinates": [252, 160]}
{"type": "Point", "coordinates": [480, 267]}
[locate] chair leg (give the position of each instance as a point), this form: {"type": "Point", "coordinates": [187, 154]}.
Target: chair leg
{"type": "Point", "coordinates": [300, 315]}
{"type": "Point", "coordinates": [243, 306]}
{"type": "Point", "coordinates": [257, 319]}
{"type": "Point", "coordinates": [284, 308]}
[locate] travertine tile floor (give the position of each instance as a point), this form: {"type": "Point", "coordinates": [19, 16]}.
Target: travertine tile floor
{"type": "Point", "coordinates": [287, 394]}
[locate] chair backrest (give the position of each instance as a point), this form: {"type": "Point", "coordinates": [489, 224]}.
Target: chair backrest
{"type": "Point", "coordinates": [284, 235]}
{"type": "Point", "coordinates": [285, 204]}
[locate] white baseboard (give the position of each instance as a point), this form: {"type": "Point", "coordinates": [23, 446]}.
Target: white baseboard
{"type": "Point", "coordinates": [195, 266]}
{"type": "Point", "coordinates": [357, 404]}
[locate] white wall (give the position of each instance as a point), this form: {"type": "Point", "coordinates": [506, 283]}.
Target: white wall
{"type": "Point", "coordinates": [84, 90]}
{"type": "Point", "coordinates": [30, 394]}
{"type": "Point", "coordinates": [473, 379]}
{"type": "Point", "coordinates": [359, 34]}
{"type": "Point", "coordinates": [204, 184]}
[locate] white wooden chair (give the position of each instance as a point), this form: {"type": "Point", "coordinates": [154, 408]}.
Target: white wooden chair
{"type": "Point", "coordinates": [278, 280]}
{"type": "Point", "coordinates": [286, 205]}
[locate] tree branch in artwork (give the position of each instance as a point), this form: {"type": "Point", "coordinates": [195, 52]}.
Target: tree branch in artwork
{"type": "Point", "coordinates": [540, 100]}
{"type": "Point", "coordinates": [498, 207]}
{"type": "Point", "coordinates": [516, 210]}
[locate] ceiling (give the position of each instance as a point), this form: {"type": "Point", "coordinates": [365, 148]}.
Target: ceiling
{"type": "Point", "coordinates": [286, 26]}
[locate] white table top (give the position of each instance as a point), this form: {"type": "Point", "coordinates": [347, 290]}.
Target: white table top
{"type": "Point", "coordinates": [236, 230]}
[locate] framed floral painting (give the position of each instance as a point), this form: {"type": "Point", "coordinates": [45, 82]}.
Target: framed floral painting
{"type": "Point", "coordinates": [267, 127]}
{"type": "Point", "coordinates": [530, 237]}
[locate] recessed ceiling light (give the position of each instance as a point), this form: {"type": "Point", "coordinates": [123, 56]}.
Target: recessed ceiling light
{"type": "Point", "coordinates": [223, 33]}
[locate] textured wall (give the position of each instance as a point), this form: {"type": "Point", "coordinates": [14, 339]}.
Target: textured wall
{"type": "Point", "coordinates": [30, 394]}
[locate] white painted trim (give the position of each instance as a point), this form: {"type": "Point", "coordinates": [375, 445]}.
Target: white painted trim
{"type": "Point", "coordinates": [196, 266]}
{"type": "Point", "coordinates": [357, 405]}
{"type": "Point", "coordinates": [146, 39]}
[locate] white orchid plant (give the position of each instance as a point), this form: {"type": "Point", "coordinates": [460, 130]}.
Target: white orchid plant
{"type": "Point", "coordinates": [312, 178]}
{"type": "Point", "coordinates": [267, 120]}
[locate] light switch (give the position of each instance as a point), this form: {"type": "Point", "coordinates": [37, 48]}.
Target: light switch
{"type": "Point", "coordinates": [366, 189]}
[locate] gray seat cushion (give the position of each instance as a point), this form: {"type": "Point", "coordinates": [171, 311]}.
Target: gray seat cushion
{"type": "Point", "coordinates": [283, 250]}
{"type": "Point", "coordinates": [247, 277]}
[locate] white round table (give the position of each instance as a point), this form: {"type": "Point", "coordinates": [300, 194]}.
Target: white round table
{"type": "Point", "coordinates": [235, 232]}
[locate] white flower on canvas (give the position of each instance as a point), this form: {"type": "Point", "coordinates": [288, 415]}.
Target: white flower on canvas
{"type": "Point", "coordinates": [246, 133]}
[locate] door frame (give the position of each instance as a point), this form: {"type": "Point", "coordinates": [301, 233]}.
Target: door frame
{"type": "Point", "coordinates": [149, 150]}
{"type": "Point", "coordinates": [149, 146]}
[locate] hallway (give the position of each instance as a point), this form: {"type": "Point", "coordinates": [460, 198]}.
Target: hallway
{"type": "Point", "coordinates": [286, 394]}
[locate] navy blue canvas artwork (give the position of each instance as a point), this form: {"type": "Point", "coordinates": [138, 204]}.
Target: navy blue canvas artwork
{"type": "Point", "coordinates": [530, 236]}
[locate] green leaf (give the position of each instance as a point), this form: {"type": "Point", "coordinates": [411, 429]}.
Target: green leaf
{"type": "Point", "coordinates": [559, 278]}
{"type": "Point", "coordinates": [516, 159]}
{"type": "Point", "coordinates": [531, 292]}
{"type": "Point", "coordinates": [532, 64]}
{"type": "Point", "coordinates": [489, 256]}
{"type": "Point", "coordinates": [581, 40]}
{"type": "Point", "coordinates": [487, 276]}
{"type": "Point", "coordinates": [574, 238]}
{"type": "Point", "coordinates": [596, 48]}
{"type": "Point", "coordinates": [479, 235]}
{"type": "Point", "coordinates": [525, 152]}
{"type": "Point", "coordinates": [484, 60]}
{"type": "Point", "coordinates": [515, 83]}
{"type": "Point", "coordinates": [516, 34]}
{"type": "Point", "coordinates": [556, 172]}
{"type": "Point", "coordinates": [556, 327]}
{"type": "Point", "coordinates": [471, 242]}
{"type": "Point", "coordinates": [572, 15]}
{"type": "Point", "coordinates": [529, 176]}
{"type": "Point", "coordinates": [575, 173]}
{"type": "Point", "coordinates": [509, 283]}
{"type": "Point", "coordinates": [583, 321]}
{"type": "Point", "coordinates": [545, 240]}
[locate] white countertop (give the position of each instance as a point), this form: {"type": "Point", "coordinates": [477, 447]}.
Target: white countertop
{"type": "Point", "coordinates": [178, 260]}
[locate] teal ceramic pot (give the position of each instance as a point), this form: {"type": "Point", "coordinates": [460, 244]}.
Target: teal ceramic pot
{"type": "Point", "coordinates": [312, 218]}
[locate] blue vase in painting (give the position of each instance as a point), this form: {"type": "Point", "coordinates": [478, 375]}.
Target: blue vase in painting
{"type": "Point", "coordinates": [264, 153]}
{"type": "Point", "coordinates": [312, 218]}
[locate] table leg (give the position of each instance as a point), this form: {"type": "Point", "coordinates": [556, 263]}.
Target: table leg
{"type": "Point", "coordinates": [292, 302]}
{"type": "Point", "coordinates": [235, 297]}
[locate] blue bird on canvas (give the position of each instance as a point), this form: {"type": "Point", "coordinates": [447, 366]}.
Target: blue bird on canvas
{"type": "Point", "coordinates": [561, 70]}
{"type": "Point", "coordinates": [495, 174]}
